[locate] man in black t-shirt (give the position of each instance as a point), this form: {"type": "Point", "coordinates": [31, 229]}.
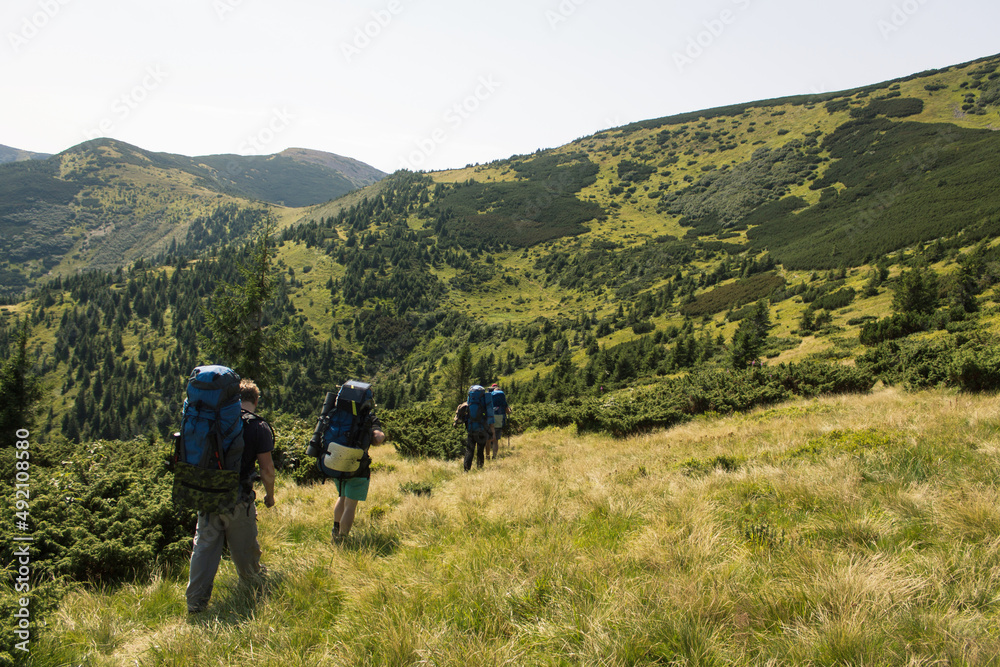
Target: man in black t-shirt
{"type": "Point", "coordinates": [239, 527]}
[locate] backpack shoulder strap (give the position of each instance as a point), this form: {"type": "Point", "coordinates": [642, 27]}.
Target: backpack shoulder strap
{"type": "Point", "coordinates": [250, 416]}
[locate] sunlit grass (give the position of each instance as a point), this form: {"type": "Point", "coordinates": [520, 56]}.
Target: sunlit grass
{"type": "Point", "coordinates": [851, 530]}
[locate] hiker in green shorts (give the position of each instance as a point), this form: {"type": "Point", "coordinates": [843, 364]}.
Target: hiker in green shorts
{"type": "Point", "coordinates": [354, 488]}
{"type": "Point", "coordinates": [500, 412]}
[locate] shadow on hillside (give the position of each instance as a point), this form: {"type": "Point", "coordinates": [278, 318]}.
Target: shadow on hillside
{"type": "Point", "coordinates": [236, 604]}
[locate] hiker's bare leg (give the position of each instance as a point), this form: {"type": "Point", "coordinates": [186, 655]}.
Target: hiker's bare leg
{"type": "Point", "coordinates": [343, 513]}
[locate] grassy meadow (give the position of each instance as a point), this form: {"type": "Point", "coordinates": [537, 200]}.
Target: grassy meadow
{"type": "Point", "coordinates": [859, 530]}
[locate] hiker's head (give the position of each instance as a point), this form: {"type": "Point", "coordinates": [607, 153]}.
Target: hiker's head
{"type": "Point", "coordinates": [494, 386]}
{"type": "Point", "coordinates": [249, 392]}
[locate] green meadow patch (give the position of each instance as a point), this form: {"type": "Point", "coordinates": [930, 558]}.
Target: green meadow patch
{"type": "Point", "coordinates": [851, 529]}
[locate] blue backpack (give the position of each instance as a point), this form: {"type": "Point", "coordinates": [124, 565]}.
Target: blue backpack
{"type": "Point", "coordinates": [480, 409]}
{"type": "Point", "coordinates": [499, 407]}
{"type": "Point", "coordinates": [209, 447]}
{"type": "Point", "coordinates": [346, 428]}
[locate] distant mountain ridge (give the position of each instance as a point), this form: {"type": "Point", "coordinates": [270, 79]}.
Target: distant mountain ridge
{"type": "Point", "coordinates": [10, 154]}
{"type": "Point", "coordinates": [358, 173]}
{"type": "Point", "coordinates": [104, 203]}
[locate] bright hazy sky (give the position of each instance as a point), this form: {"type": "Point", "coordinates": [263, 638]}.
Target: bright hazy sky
{"type": "Point", "coordinates": [435, 84]}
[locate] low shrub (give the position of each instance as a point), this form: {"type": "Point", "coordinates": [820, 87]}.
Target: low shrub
{"type": "Point", "coordinates": [953, 361]}
{"type": "Point", "coordinates": [291, 437]}
{"type": "Point", "coordinates": [976, 368]}
{"type": "Point", "coordinates": [912, 364]}
{"type": "Point", "coordinates": [715, 391]}
{"type": "Point", "coordinates": [424, 431]}
{"type": "Point", "coordinates": [542, 415]}
{"type": "Point", "coordinates": [102, 512]}
{"type": "Point", "coordinates": [894, 327]}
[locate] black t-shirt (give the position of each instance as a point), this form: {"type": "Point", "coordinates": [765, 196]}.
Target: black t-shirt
{"type": "Point", "coordinates": [257, 439]}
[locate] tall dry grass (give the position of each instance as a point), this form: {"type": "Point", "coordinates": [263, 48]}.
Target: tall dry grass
{"type": "Point", "coordinates": [838, 531]}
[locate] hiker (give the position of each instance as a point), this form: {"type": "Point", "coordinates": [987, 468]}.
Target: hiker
{"type": "Point", "coordinates": [500, 412]}
{"type": "Point", "coordinates": [352, 488]}
{"type": "Point", "coordinates": [237, 528]}
{"type": "Point", "coordinates": [477, 416]}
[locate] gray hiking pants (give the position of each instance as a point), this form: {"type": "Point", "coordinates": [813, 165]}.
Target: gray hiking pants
{"type": "Point", "coordinates": [239, 530]}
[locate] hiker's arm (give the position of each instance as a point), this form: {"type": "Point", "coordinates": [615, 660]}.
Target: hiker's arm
{"type": "Point", "coordinates": [378, 437]}
{"type": "Point", "coordinates": [266, 464]}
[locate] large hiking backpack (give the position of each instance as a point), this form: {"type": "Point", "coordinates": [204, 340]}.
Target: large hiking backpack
{"type": "Point", "coordinates": [344, 431]}
{"type": "Point", "coordinates": [480, 409]}
{"type": "Point", "coordinates": [209, 447]}
{"type": "Point", "coordinates": [499, 408]}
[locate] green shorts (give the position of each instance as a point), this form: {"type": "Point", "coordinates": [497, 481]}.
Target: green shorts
{"type": "Point", "coordinates": [355, 488]}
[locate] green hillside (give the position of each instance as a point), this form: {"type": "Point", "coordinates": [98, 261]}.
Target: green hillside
{"type": "Point", "coordinates": [623, 259]}
{"type": "Point", "coordinates": [104, 203]}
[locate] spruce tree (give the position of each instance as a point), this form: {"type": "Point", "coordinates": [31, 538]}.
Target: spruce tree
{"type": "Point", "coordinates": [748, 341]}
{"type": "Point", "coordinates": [20, 391]}
{"type": "Point", "coordinates": [916, 291]}
{"type": "Point", "coordinates": [458, 376]}
{"type": "Point", "coordinates": [240, 334]}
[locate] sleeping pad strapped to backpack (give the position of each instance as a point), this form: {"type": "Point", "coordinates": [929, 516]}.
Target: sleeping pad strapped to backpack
{"type": "Point", "coordinates": [209, 447]}
{"type": "Point", "coordinates": [344, 431]}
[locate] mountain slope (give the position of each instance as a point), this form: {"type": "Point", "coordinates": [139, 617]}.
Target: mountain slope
{"type": "Point", "coordinates": [820, 181]}
{"type": "Point", "coordinates": [621, 236]}
{"type": "Point", "coordinates": [104, 202]}
{"type": "Point", "coordinates": [632, 255]}
{"type": "Point", "coordinates": [8, 154]}
{"type": "Point", "coordinates": [294, 178]}
{"type": "Point", "coordinates": [358, 173]}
